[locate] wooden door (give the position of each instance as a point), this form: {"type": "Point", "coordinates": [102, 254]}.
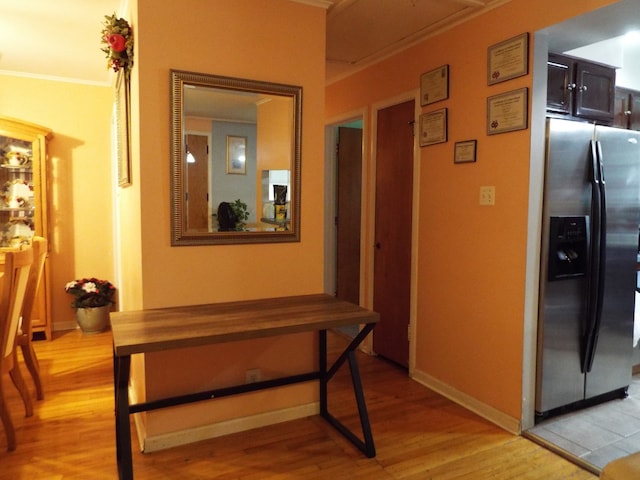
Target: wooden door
{"type": "Point", "coordinates": [197, 187]}
{"type": "Point", "coordinates": [392, 259]}
{"type": "Point", "coordinates": [349, 187]}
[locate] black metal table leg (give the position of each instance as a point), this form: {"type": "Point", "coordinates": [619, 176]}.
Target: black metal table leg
{"type": "Point", "coordinates": [122, 366]}
{"type": "Point", "coordinates": [322, 369]}
{"type": "Point", "coordinates": [367, 446]}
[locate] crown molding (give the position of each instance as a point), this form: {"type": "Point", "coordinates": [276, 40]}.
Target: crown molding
{"type": "Point", "coordinates": [315, 3]}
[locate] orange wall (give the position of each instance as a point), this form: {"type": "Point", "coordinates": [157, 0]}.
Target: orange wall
{"type": "Point", "coordinates": [229, 362]}
{"type": "Point", "coordinates": [471, 258]}
{"type": "Point", "coordinates": [250, 39]}
{"type": "Point", "coordinates": [274, 141]}
{"type": "Point", "coordinates": [265, 40]}
{"type": "Point", "coordinates": [80, 209]}
{"type": "Point", "coordinates": [274, 135]}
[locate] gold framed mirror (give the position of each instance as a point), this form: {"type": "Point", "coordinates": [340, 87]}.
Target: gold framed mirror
{"type": "Point", "coordinates": [235, 160]}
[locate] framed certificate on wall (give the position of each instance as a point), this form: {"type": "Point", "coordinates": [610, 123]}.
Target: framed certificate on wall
{"type": "Point", "coordinates": [434, 85]}
{"type": "Point", "coordinates": [433, 127]}
{"type": "Point", "coordinates": [508, 59]}
{"type": "Point", "coordinates": [507, 112]}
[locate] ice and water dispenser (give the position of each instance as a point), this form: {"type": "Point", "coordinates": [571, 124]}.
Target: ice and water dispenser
{"type": "Point", "coordinates": [568, 247]}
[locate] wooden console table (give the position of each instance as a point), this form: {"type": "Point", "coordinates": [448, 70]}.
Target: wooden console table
{"type": "Point", "coordinates": [154, 330]}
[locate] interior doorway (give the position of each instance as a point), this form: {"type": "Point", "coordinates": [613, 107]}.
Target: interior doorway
{"type": "Point", "coordinates": [344, 218]}
{"type": "Point", "coordinates": [393, 230]}
{"type": "Point", "coordinates": [348, 213]}
{"type": "Point", "coordinates": [197, 182]}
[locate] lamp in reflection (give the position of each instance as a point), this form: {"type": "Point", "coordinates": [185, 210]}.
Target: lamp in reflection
{"type": "Point", "coordinates": [190, 157]}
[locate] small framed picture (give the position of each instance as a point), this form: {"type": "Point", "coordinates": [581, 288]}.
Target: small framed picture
{"type": "Point", "coordinates": [465, 151]}
{"type": "Point", "coordinates": [434, 85]}
{"type": "Point", "coordinates": [433, 127]}
{"type": "Point", "coordinates": [236, 155]}
{"type": "Point", "coordinates": [507, 112]}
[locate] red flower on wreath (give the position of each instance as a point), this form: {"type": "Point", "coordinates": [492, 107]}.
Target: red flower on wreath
{"type": "Point", "coordinates": [116, 42]}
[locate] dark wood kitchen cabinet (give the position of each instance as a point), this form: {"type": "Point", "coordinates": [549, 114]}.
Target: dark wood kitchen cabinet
{"type": "Point", "coordinates": [627, 109]}
{"type": "Point", "coordinates": [581, 89]}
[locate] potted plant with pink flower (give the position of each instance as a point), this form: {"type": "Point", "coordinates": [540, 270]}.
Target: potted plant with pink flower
{"type": "Point", "coordinates": [92, 299]}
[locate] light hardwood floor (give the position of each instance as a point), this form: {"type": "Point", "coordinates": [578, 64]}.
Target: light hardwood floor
{"type": "Point", "coordinates": [418, 434]}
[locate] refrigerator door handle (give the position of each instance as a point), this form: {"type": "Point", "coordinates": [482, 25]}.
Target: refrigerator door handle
{"type": "Point", "coordinates": [598, 249]}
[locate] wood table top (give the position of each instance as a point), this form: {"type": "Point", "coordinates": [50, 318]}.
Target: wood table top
{"type": "Point", "coordinates": [153, 330]}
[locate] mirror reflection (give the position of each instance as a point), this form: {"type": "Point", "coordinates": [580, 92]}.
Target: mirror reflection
{"type": "Point", "coordinates": [235, 160]}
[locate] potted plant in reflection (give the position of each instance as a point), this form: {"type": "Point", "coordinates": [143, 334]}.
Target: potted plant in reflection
{"type": "Point", "coordinates": [241, 213]}
{"type": "Point", "coordinates": [92, 299]}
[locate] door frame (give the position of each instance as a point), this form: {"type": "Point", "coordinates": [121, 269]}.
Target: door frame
{"type": "Point", "coordinates": [537, 163]}
{"type": "Point", "coordinates": [330, 233]}
{"type": "Point", "coordinates": [413, 302]}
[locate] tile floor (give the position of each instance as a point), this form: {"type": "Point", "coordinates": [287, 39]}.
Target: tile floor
{"type": "Point", "coordinates": [597, 435]}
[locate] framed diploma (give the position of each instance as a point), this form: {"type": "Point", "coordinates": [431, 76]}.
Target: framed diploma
{"type": "Point", "coordinates": [507, 112]}
{"type": "Point", "coordinates": [434, 85]}
{"type": "Point", "coordinates": [465, 152]}
{"type": "Point", "coordinates": [508, 59]}
{"type": "Point", "coordinates": [433, 127]}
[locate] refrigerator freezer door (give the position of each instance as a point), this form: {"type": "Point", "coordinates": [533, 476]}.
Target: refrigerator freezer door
{"type": "Point", "coordinates": [559, 379]}
{"type": "Point", "coordinates": [611, 369]}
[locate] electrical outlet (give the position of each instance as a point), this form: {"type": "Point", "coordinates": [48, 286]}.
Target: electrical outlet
{"type": "Point", "coordinates": [253, 375]}
{"type": "Point", "coordinates": [488, 195]}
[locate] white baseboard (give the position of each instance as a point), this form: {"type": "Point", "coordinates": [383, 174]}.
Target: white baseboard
{"type": "Point", "coordinates": [190, 435]}
{"type": "Point", "coordinates": [141, 427]}
{"type": "Point", "coordinates": [501, 419]}
{"type": "Point", "coordinates": [61, 326]}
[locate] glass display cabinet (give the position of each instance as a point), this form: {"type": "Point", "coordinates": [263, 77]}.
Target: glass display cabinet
{"type": "Point", "coordinates": [23, 199]}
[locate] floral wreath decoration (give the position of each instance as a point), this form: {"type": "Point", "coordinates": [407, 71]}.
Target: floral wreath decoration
{"type": "Point", "coordinates": [117, 38]}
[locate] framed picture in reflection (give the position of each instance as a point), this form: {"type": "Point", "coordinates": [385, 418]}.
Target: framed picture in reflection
{"type": "Point", "coordinates": [236, 155]}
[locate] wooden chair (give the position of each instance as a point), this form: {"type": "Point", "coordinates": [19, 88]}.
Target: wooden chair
{"type": "Point", "coordinates": [14, 285]}
{"type": "Point", "coordinates": [24, 338]}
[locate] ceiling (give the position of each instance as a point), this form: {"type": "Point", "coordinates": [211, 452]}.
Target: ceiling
{"type": "Point", "coordinates": [55, 39]}
{"type": "Point", "coordinates": [361, 32]}
{"type": "Point", "coordinates": [593, 27]}
{"type": "Point", "coordinates": [59, 39]}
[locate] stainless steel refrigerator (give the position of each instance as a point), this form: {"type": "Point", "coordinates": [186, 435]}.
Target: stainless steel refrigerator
{"type": "Point", "coordinates": [589, 249]}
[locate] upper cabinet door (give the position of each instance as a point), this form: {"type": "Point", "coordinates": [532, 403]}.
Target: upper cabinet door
{"type": "Point", "coordinates": [621, 108]}
{"type": "Point", "coordinates": [560, 84]}
{"type": "Point", "coordinates": [627, 109]}
{"type": "Point", "coordinates": [580, 89]}
{"type": "Point", "coordinates": [595, 91]}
